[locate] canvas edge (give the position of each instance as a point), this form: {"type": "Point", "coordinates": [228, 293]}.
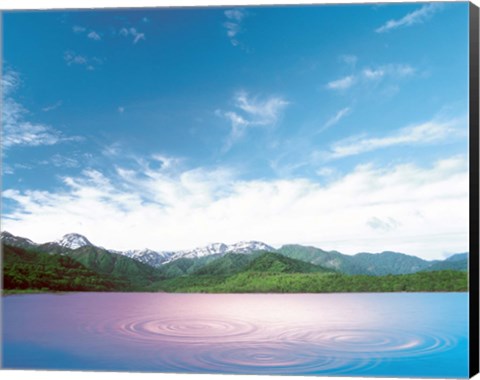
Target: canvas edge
{"type": "Point", "coordinates": [474, 335]}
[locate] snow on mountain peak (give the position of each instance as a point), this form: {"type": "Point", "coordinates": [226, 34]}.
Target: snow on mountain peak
{"type": "Point", "coordinates": [73, 241]}
{"type": "Point", "coordinates": [249, 247]}
{"type": "Point", "coordinates": [147, 256]}
{"type": "Point", "coordinates": [221, 249]}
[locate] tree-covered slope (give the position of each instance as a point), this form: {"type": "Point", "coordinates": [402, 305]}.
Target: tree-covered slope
{"type": "Point", "coordinates": [270, 262]}
{"type": "Point", "coordinates": [377, 264]}
{"type": "Point", "coordinates": [328, 259]}
{"type": "Point", "coordinates": [185, 266]}
{"type": "Point", "coordinates": [104, 262]}
{"type": "Point", "coordinates": [31, 270]}
{"type": "Point", "coordinates": [261, 282]}
{"type": "Point", "coordinates": [227, 265]}
{"type": "Point", "coordinates": [380, 264]}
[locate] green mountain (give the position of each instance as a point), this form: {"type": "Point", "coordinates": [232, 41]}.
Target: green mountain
{"type": "Point", "coordinates": [378, 264]}
{"type": "Point", "coordinates": [458, 257]}
{"type": "Point", "coordinates": [33, 270]}
{"type": "Point", "coordinates": [227, 265]}
{"type": "Point", "coordinates": [265, 262]}
{"type": "Point", "coordinates": [232, 271]}
{"type": "Point", "coordinates": [328, 259]}
{"type": "Point", "coordinates": [317, 282]}
{"type": "Point", "coordinates": [53, 249]}
{"type": "Point", "coordinates": [108, 263]}
{"type": "Point", "coordinates": [458, 261]}
{"type": "Point", "coordinates": [293, 268]}
{"type": "Point", "coordinates": [184, 266]}
{"type": "Point", "coordinates": [270, 262]}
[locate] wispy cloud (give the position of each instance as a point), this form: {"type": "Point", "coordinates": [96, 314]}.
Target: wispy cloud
{"type": "Point", "coordinates": [52, 106]}
{"type": "Point", "coordinates": [342, 83]}
{"type": "Point", "coordinates": [349, 59]}
{"type": "Point", "coordinates": [90, 33]}
{"type": "Point", "coordinates": [28, 134]}
{"type": "Point", "coordinates": [61, 161]}
{"type": "Point", "coordinates": [196, 206]}
{"type": "Point", "coordinates": [94, 36]}
{"type": "Point", "coordinates": [262, 111]}
{"type": "Point", "coordinates": [17, 131]}
{"type": "Point", "coordinates": [336, 118]}
{"type": "Point", "coordinates": [416, 17]}
{"type": "Point", "coordinates": [132, 32]}
{"type": "Point", "coordinates": [392, 71]}
{"type": "Point", "coordinates": [251, 112]}
{"type": "Point", "coordinates": [10, 82]}
{"type": "Point", "coordinates": [127, 31]}
{"type": "Point", "coordinates": [79, 29]}
{"type": "Point", "coordinates": [72, 58]}
{"type": "Point", "coordinates": [234, 24]}
{"type": "Point", "coordinates": [425, 133]}
{"type": "Point", "coordinates": [385, 225]}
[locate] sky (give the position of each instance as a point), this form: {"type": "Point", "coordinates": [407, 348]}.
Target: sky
{"type": "Point", "coordinates": [343, 127]}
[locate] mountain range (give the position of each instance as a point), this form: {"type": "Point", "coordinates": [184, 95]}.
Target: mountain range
{"type": "Point", "coordinates": [188, 261]}
{"type": "Point", "coordinates": [74, 263]}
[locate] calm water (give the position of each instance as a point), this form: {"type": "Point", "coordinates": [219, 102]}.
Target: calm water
{"type": "Point", "coordinates": [413, 335]}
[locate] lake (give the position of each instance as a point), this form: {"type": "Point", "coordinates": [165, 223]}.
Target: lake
{"type": "Point", "coordinates": [385, 334]}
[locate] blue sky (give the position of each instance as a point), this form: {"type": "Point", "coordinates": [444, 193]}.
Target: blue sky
{"type": "Point", "coordinates": [339, 126]}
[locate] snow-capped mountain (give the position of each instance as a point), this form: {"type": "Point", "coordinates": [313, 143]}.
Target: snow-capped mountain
{"type": "Point", "coordinates": [73, 241]}
{"type": "Point", "coordinates": [147, 256]}
{"type": "Point", "coordinates": [16, 241]}
{"type": "Point", "coordinates": [221, 249]}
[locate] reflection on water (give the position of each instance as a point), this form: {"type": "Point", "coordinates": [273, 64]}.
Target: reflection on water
{"type": "Point", "coordinates": [345, 334]}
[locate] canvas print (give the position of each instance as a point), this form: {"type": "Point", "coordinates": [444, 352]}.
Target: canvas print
{"type": "Point", "coordinates": [277, 190]}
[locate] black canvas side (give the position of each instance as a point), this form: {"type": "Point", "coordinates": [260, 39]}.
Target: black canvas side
{"type": "Point", "coordinates": [474, 192]}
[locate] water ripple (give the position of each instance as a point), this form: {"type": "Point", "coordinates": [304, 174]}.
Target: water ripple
{"type": "Point", "coordinates": [230, 345]}
{"type": "Point", "coordinates": [380, 342]}
{"type": "Point", "coordinates": [175, 330]}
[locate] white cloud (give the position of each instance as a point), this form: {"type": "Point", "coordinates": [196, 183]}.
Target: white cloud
{"type": "Point", "coordinates": [10, 82]}
{"type": "Point", "coordinates": [121, 109]}
{"type": "Point", "coordinates": [94, 36]}
{"type": "Point", "coordinates": [61, 161]}
{"type": "Point", "coordinates": [29, 134]}
{"type": "Point", "coordinates": [342, 83]}
{"type": "Point", "coordinates": [234, 24]}
{"type": "Point", "coordinates": [132, 32]}
{"type": "Point", "coordinates": [235, 14]}
{"type": "Point", "coordinates": [373, 73]}
{"type": "Point", "coordinates": [16, 130]}
{"type": "Point", "coordinates": [429, 132]}
{"type": "Point", "coordinates": [325, 171]}
{"type": "Point", "coordinates": [78, 29]}
{"type": "Point", "coordinates": [251, 112]}
{"type": "Point", "coordinates": [385, 225]}
{"type": "Point", "coordinates": [416, 17]}
{"type": "Point", "coordinates": [170, 209]}
{"type": "Point", "coordinates": [72, 58]}
{"type": "Point", "coordinates": [52, 106]}
{"type": "Point", "coordinates": [238, 127]}
{"type": "Point", "coordinates": [392, 70]}
{"type": "Point", "coordinates": [336, 118]}
{"type": "Point", "coordinates": [91, 34]}
{"type": "Point", "coordinates": [349, 59]}
{"type": "Point", "coordinates": [264, 111]}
